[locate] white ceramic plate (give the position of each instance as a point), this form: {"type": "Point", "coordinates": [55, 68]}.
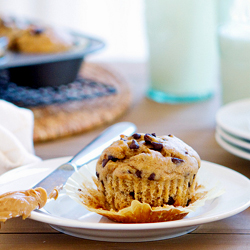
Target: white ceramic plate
{"type": "Point", "coordinates": [235, 118]}
{"type": "Point", "coordinates": [231, 148]}
{"type": "Point", "coordinates": [71, 218]}
{"type": "Point", "coordinates": [236, 141]}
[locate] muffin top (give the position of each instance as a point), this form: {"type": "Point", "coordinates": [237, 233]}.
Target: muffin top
{"type": "Point", "coordinates": [38, 39]}
{"type": "Point", "coordinates": [148, 156]}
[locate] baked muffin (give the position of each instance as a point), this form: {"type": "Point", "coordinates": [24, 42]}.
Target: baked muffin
{"type": "Point", "coordinates": [156, 170]}
{"type": "Point", "coordinates": [36, 39]}
{"type": "Point", "coordinates": [143, 178]}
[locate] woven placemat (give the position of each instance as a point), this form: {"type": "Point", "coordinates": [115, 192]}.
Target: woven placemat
{"type": "Point", "coordinates": [73, 117]}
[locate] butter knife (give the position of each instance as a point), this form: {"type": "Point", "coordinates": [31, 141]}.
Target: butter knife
{"type": "Point", "coordinates": [92, 151]}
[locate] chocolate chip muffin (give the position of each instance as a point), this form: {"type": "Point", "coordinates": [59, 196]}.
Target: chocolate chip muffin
{"type": "Point", "coordinates": [38, 39]}
{"type": "Point", "coordinates": [157, 170]}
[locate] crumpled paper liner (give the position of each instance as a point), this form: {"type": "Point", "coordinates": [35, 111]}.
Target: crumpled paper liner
{"type": "Point", "coordinates": [82, 187]}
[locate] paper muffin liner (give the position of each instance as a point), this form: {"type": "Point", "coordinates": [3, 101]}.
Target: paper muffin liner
{"type": "Point", "coordinates": [155, 193]}
{"type": "Point", "coordinates": [82, 187]}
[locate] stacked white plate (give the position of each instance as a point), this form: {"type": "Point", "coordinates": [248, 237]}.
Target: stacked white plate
{"type": "Point", "coordinates": [233, 128]}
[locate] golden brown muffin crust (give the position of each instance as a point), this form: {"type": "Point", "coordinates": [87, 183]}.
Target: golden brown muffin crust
{"type": "Point", "coordinates": [174, 157]}
{"type": "Point", "coordinates": [36, 39]}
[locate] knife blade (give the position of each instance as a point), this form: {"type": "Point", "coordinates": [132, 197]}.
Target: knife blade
{"type": "Point", "coordinates": [92, 151]}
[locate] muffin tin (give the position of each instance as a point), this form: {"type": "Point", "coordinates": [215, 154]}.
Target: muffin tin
{"type": "Point", "coordinates": [41, 70]}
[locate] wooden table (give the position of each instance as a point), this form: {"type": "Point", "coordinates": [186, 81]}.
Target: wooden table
{"type": "Point", "coordinates": [193, 123]}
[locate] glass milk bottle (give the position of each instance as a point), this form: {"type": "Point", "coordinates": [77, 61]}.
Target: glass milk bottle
{"type": "Point", "coordinates": [182, 49]}
{"type": "Point", "coordinates": [234, 44]}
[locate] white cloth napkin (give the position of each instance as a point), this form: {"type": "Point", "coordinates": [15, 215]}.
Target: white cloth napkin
{"type": "Point", "coordinates": [16, 137]}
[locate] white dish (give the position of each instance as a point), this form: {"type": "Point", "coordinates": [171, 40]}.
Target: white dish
{"type": "Point", "coordinates": [232, 139]}
{"type": "Point", "coordinates": [235, 118]}
{"type": "Point", "coordinates": [233, 149]}
{"type": "Point", "coordinates": [71, 218]}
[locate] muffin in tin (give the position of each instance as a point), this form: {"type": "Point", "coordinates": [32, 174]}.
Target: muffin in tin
{"type": "Point", "coordinates": [41, 39]}
{"type": "Point", "coordinates": [156, 170]}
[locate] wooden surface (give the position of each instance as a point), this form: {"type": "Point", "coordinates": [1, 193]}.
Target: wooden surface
{"type": "Point", "coordinates": [74, 117]}
{"type": "Point", "coordinates": [193, 123]}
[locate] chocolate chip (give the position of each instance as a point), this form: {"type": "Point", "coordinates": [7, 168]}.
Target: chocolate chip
{"type": "Point", "coordinates": [171, 201]}
{"type": "Point", "coordinates": [153, 134]}
{"type": "Point", "coordinates": [138, 173]}
{"type": "Point", "coordinates": [189, 185]}
{"type": "Point", "coordinates": [186, 152]}
{"type": "Point", "coordinates": [136, 136]}
{"type": "Point", "coordinates": [170, 135]}
{"type": "Point", "coordinates": [37, 31]}
{"type": "Point", "coordinates": [176, 160]}
{"type": "Point", "coordinates": [104, 162]}
{"type": "Point", "coordinates": [79, 189]}
{"type": "Point", "coordinates": [129, 172]}
{"type": "Point", "coordinates": [157, 146]}
{"type": "Point", "coordinates": [97, 175]}
{"type": "Point", "coordinates": [134, 145]}
{"type": "Point", "coordinates": [151, 177]}
{"type": "Point", "coordinates": [132, 194]}
{"type": "Point", "coordinates": [112, 158]}
{"type": "Point", "coordinates": [147, 138]}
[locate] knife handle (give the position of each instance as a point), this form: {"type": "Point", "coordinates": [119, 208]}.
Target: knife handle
{"type": "Point", "coordinates": [94, 149]}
